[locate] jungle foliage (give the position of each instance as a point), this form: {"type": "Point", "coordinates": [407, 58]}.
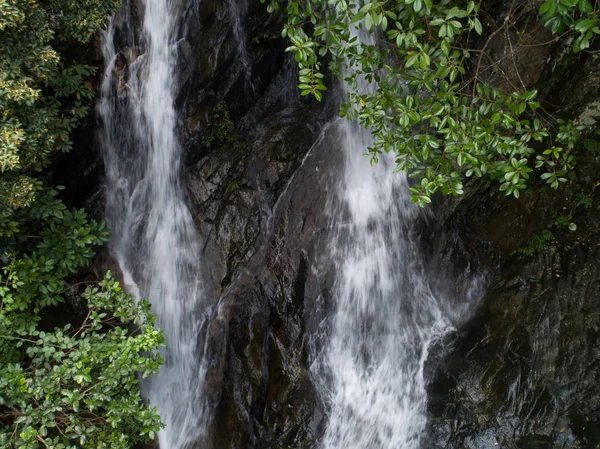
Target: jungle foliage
{"type": "Point", "coordinates": [62, 384]}
{"type": "Point", "coordinates": [431, 107]}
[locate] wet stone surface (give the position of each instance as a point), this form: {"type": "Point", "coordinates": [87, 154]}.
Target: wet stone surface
{"type": "Point", "coordinates": [522, 373]}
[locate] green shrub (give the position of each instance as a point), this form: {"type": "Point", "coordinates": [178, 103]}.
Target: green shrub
{"type": "Point", "coordinates": [219, 128]}
{"type": "Point", "coordinates": [61, 386]}
{"type": "Point", "coordinates": [72, 387]}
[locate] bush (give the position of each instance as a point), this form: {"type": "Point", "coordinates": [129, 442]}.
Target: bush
{"type": "Point", "coordinates": [60, 386]}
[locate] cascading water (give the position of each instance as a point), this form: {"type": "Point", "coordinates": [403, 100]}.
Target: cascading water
{"type": "Point", "coordinates": [154, 240]}
{"type": "Point", "coordinates": [237, 12]}
{"type": "Point", "coordinates": [386, 317]}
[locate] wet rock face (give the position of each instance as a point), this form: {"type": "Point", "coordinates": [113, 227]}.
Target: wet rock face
{"type": "Point", "coordinates": [523, 373]}
{"type": "Point", "coordinates": [257, 203]}
{"type": "Point", "coordinates": [228, 51]}
{"type": "Point", "coordinates": [257, 206]}
{"type": "Point", "coordinates": [263, 240]}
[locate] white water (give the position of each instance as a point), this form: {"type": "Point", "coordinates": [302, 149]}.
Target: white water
{"type": "Point", "coordinates": [154, 240]}
{"type": "Point", "coordinates": [386, 318]}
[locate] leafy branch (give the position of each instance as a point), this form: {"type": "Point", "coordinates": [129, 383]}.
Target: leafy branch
{"type": "Point", "coordinates": [429, 105]}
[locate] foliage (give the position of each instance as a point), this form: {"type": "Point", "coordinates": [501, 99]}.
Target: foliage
{"type": "Point", "coordinates": [580, 16]}
{"type": "Point", "coordinates": [42, 96]}
{"type": "Point", "coordinates": [218, 128]}
{"type": "Point", "coordinates": [430, 107]}
{"type": "Point", "coordinates": [592, 142]}
{"type": "Point", "coordinates": [582, 200]}
{"type": "Point", "coordinates": [585, 199]}
{"type": "Point", "coordinates": [536, 244]}
{"type": "Point", "coordinates": [232, 187]}
{"type": "Point", "coordinates": [74, 387]}
{"type": "Point", "coordinates": [562, 220]}
{"type": "Point", "coordinates": [60, 385]}
{"type": "Point", "coordinates": [265, 36]}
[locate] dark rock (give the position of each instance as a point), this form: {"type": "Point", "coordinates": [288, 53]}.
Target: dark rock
{"type": "Point", "coordinates": [521, 373]}
{"type": "Point", "coordinates": [526, 368]}
{"type": "Point", "coordinates": [262, 243]}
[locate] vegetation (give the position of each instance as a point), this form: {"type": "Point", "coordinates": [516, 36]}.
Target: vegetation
{"type": "Point", "coordinates": [61, 385]}
{"type": "Point", "coordinates": [432, 107]}
{"type": "Point", "coordinates": [536, 244]}
{"type": "Point", "coordinates": [72, 387]}
{"type": "Point", "coordinates": [219, 128]}
{"type": "Point", "coordinates": [582, 17]}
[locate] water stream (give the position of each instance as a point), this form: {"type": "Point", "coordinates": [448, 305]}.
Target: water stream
{"type": "Point", "coordinates": [371, 370]}
{"type": "Point", "coordinates": [386, 317]}
{"type": "Point", "coordinates": [238, 9]}
{"type": "Point", "coordinates": [154, 240]}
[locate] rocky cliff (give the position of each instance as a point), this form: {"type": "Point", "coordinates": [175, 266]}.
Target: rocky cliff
{"type": "Point", "coordinates": [521, 373]}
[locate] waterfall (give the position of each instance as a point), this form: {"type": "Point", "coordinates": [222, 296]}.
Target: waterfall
{"type": "Point", "coordinates": [371, 368]}
{"type": "Point", "coordinates": [237, 11]}
{"type": "Point", "coordinates": [153, 236]}
{"type": "Point", "coordinates": [386, 317]}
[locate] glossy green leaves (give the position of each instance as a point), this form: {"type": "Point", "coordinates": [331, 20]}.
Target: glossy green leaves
{"type": "Point", "coordinates": [580, 16]}
{"type": "Point", "coordinates": [431, 107]}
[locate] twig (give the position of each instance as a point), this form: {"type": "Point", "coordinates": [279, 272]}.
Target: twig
{"type": "Point", "coordinates": [487, 42]}
{"type": "Point", "coordinates": [512, 54]}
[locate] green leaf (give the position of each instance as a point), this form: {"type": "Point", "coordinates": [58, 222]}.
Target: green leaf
{"type": "Point", "coordinates": [445, 46]}
{"type": "Point", "coordinates": [368, 22]}
{"type": "Point", "coordinates": [410, 61]}
{"type": "Point", "coordinates": [585, 24]}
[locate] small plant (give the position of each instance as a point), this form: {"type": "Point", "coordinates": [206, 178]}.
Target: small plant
{"type": "Point", "coordinates": [562, 221]}
{"type": "Point", "coordinates": [232, 187]}
{"type": "Point", "coordinates": [592, 143]}
{"type": "Point", "coordinates": [536, 243]}
{"type": "Point", "coordinates": [266, 36]}
{"type": "Point", "coordinates": [585, 199]}
{"type": "Point", "coordinates": [581, 199]}
{"type": "Point", "coordinates": [219, 128]}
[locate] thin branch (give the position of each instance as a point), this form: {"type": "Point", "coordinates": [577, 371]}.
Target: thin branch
{"type": "Point", "coordinates": [487, 42]}
{"type": "Point", "coordinates": [512, 54]}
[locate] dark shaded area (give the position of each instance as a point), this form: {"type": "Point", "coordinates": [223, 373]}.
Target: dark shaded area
{"type": "Point", "coordinates": [524, 371]}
